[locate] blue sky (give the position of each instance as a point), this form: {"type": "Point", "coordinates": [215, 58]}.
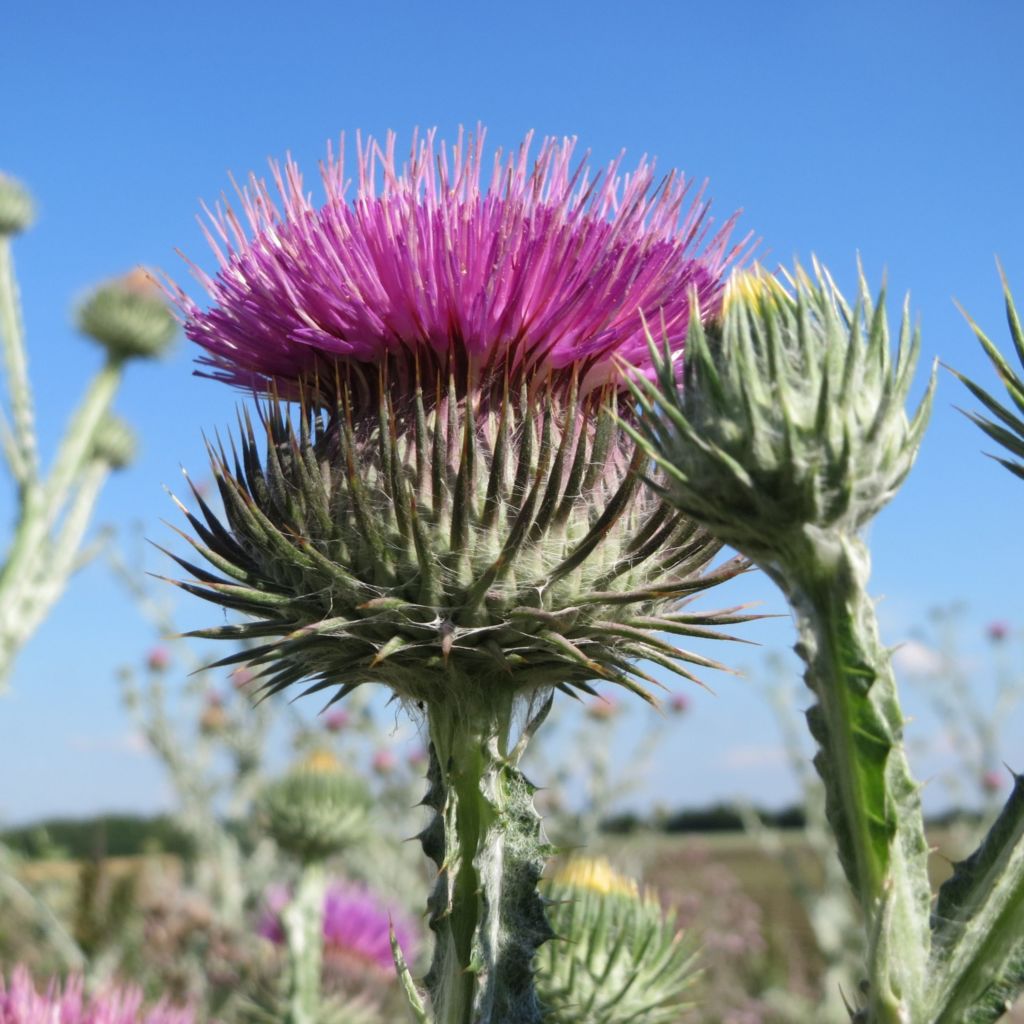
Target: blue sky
{"type": "Point", "coordinates": [888, 130]}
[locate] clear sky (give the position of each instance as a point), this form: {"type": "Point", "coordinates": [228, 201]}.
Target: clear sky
{"type": "Point", "coordinates": [892, 130]}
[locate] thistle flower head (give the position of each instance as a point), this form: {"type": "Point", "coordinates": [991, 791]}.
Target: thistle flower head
{"type": "Point", "coordinates": [619, 955]}
{"type": "Point", "coordinates": [528, 267]}
{"type": "Point", "coordinates": [356, 924]}
{"type": "Point", "coordinates": [453, 501]}
{"type": "Point", "coordinates": [21, 1003]}
{"type": "Point", "coordinates": [790, 415]}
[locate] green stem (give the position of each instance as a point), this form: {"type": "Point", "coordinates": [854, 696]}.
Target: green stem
{"type": "Point", "coordinates": [486, 839]}
{"type": "Point", "coordinates": [872, 800]}
{"type": "Point", "coordinates": [13, 341]}
{"type": "Point", "coordinates": [303, 921]}
{"type": "Point", "coordinates": [29, 562]}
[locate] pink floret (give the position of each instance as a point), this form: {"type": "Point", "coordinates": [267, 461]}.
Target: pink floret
{"type": "Point", "coordinates": [542, 267]}
{"type": "Point", "coordinates": [21, 1003]}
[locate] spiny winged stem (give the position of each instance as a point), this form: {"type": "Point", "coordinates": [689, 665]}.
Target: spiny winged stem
{"type": "Point", "coordinates": [303, 927]}
{"type": "Point", "coordinates": [872, 800]}
{"type": "Point", "coordinates": [487, 842]}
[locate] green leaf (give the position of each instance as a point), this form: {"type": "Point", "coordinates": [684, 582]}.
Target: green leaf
{"type": "Point", "coordinates": [977, 966]}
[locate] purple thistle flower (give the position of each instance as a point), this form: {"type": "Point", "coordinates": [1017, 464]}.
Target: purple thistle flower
{"type": "Point", "coordinates": [21, 1003]}
{"type": "Point", "coordinates": [545, 267]}
{"type": "Point", "coordinates": [356, 924]}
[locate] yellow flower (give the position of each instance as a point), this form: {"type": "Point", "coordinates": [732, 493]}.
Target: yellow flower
{"type": "Point", "coordinates": [596, 875]}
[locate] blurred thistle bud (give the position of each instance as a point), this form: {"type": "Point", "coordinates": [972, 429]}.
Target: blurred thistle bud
{"type": "Point", "coordinates": [991, 782]}
{"type": "Point", "coordinates": [384, 762]}
{"type": "Point", "coordinates": [602, 708]}
{"type": "Point", "coordinates": [621, 957]}
{"type": "Point", "coordinates": [114, 442]}
{"type": "Point", "coordinates": [316, 810]}
{"type": "Point", "coordinates": [214, 718]}
{"type": "Point", "coordinates": [17, 211]}
{"type": "Point", "coordinates": [789, 418]}
{"type": "Point", "coordinates": [128, 317]}
{"type": "Point", "coordinates": [158, 659]}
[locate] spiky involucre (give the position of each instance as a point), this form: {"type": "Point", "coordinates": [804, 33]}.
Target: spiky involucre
{"type": "Point", "coordinates": [451, 542]}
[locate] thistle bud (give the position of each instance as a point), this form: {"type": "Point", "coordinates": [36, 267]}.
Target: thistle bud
{"type": "Point", "coordinates": [790, 414]}
{"type": "Point", "coordinates": [128, 317]}
{"type": "Point", "coordinates": [17, 211]}
{"type": "Point", "coordinates": [315, 810]}
{"type": "Point", "coordinates": [114, 442]}
{"type": "Point", "coordinates": [621, 956]}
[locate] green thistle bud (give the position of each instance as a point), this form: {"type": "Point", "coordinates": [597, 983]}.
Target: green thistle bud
{"type": "Point", "coordinates": [114, 442]}
{"type": "Point", "coordinates": [128, 317]}
{"type": "Point", "coordinates": [316, 810]}
{"type": "Point", "coordinates": [790, 414]}
{"type": "Point", "coordinates": [620, 956]}
{"type": "Point", "coordinates": [17, 211]}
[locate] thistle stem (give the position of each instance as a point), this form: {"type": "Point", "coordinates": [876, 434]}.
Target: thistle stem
{"type": "Point", "coordinates": [303, 926]}
{"type": "Point", "coordinates": [872, 800]}
{"type": "Point", "coordinates": [486, 839]}
{"type": "Point", "coordinates": [12, 338]}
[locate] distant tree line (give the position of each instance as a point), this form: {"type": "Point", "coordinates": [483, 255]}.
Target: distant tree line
{"type": "Point", "coordinates": [128, 835]}
{"type": "Point", "coordinates": [107, 835]}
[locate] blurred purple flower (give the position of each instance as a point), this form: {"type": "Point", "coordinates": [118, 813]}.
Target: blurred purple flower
{"type": "Point", "coordinates": [356, 923]}
{"type": "Point", "coordinates": [679, 703]}
{"type": "Point", "coordinates": [991, 782]}
{"type": "Point", "coordinates": [337, 719]}
{"type": "Point", "coordinates": [241, 677]}
{"type": "Point", "coordinates": [21, 1003]}
{"type": "Point", "coordinates": [384, 762]}
{"type": "Point", "coordinates": [158, 659]}
{"type": "Point", "coordinates": [997, 631]}
{"type": "Point", "coordinates": [533, 267]}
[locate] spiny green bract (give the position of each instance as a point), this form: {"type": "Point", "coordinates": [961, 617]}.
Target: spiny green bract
{"type": "Point", "coordinates": [619, 956]}
{"type": "Point", "coordinates": [1008, 427]}
{"type": "Point", "coordinates": [450, 544]}
{"type": "Point", "coordinates": [316, 810]}
{"type": "Point", "coordinates": [790, 412]}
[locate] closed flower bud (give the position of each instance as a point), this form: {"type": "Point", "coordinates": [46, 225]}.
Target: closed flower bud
{"type": "Point", "coordinates": [618, 957]}
{"type": "Point", "coordinates": [214, 718]}
{"type": "Point", "coordinates": [790, 413]}
{"type": "Point", "coordinates": [114, 442]}
{"type": "Point", "coordinates": [17, 211]}
{"type": "Point", "coordinates": [128, 317]}
{"type": "Point", "coordinates": [316, 810]}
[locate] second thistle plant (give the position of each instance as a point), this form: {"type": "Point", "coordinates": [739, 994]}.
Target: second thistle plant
{"type": "Point", "coordinates": [785, 436]}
